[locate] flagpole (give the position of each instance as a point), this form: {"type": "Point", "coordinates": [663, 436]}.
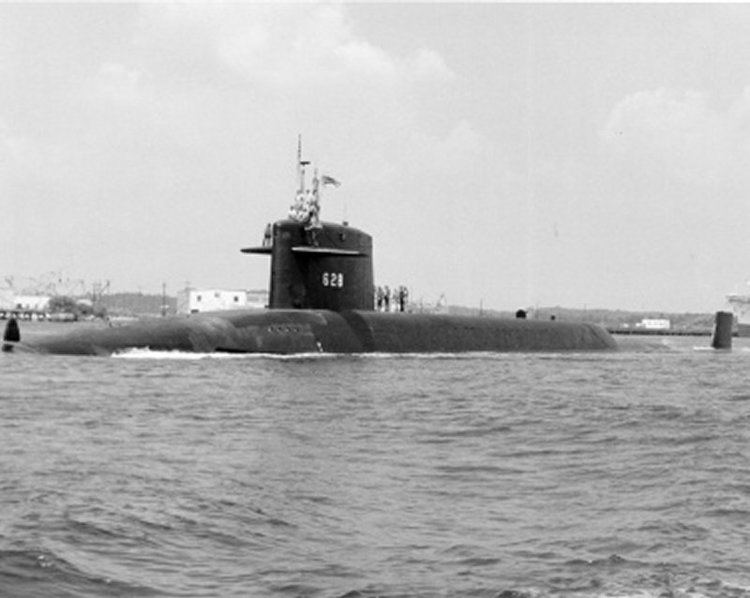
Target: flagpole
{"type": "Point", "coordinates": [300, 170]}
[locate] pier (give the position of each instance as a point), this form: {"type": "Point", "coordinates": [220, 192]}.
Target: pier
{"type": "Point", "coordinates": [665, 332]}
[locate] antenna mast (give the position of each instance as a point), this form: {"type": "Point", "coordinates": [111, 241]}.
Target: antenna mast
{"type": "Point", "coordinates": [301, 165]}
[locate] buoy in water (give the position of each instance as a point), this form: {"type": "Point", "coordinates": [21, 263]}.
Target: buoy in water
{"type": "Point", "coordinates": [11, 335]}
{"type": "Point", "coordinates": [722, 335]}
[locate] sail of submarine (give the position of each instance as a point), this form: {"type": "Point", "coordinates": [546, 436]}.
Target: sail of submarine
{"type": "Point", "coordinates": [320, 300]}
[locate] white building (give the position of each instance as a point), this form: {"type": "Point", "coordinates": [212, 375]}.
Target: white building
{"type": "Point", "coordinates": [31, 302]}
{"type": "Point", "coordinates": [654, 324]}
{"type": "Point", "coordinates": [257, 299]}
{"type": "Point", "coordinates": [190, 301]}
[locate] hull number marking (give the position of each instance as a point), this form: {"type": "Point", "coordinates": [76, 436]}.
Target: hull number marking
{"type": "Point", "coordinates": [333, 279]}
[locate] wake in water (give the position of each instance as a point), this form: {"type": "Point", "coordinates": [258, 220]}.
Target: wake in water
{"type": "Point", "coordinates": [145, 354]}
{"type": "Point", "coordinates": [628, 345]}
{"type": "Point", "coordinates": [141, 353]}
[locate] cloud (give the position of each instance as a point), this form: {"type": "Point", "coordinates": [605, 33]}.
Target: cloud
{"type": "Point", "coordinates": [285, 47]}
{"type": "Point", "coordinates": [686, 135]}
{"type": "Point", "coordinates": [8, 145]}
{"type": "Point", "coordinates": [459, 157]}
{"type": "Point", "coordinates": [429, 65]}
{"type": "Point", "coordinates": [280, 70]}
{"type": "Point", "coordinates": [115, 83]}
{"type": "Point", "coordinates": [22, 156]}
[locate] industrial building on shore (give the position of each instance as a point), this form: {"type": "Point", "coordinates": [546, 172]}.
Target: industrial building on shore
{"type": "Point", "coordinates": [192, 300]}
{"type": "Point", "coordinates": [41, 306]}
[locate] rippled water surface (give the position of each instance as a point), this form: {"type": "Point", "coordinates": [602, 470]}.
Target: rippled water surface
{"type": "Point", "coordinates": [615, 474]}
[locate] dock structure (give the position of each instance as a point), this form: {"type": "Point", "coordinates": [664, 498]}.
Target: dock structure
{"type": "Point", "coordinates": [6, 313]}
{"type": "Point", "coordinates": [669, 332]}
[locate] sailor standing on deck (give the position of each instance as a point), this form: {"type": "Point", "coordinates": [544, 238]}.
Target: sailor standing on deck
{"type": "Point", "coordinates": [403, 294]}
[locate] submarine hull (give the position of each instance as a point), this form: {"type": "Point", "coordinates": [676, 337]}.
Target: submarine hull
{"type": "Point", "coordinates": [425, 333]}
{"type": "Point", "coordinates": [288, 331]}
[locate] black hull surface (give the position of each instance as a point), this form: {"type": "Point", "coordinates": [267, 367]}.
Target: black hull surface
{"type": "Point", "coordinates": [288, 331]}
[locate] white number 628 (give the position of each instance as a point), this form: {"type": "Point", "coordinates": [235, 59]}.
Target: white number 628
{"type": "Point", "coordinates": [333, 279]}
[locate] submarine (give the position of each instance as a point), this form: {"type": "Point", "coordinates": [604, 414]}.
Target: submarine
{"type": "Point", "coordinates": [321, 300]}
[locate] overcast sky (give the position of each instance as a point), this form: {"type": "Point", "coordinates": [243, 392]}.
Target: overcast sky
{"type": "Point", "coordinates": [514, 154]}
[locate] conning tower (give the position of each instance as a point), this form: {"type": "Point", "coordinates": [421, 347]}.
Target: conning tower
{"type": "Point", "coordinates": [330, 270]}
{"type": "Point", "coordinates": [314, 264]}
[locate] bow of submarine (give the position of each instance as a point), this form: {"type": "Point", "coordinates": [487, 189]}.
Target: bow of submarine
{"type": "Point", "coordinates": [243, 331]}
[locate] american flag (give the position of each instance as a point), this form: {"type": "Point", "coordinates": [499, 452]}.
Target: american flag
{"type": "Point", "coordinates": [329, 180]}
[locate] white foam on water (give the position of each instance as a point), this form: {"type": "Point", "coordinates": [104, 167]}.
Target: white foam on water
{"type": "Point", "coordinates": [146, 354]}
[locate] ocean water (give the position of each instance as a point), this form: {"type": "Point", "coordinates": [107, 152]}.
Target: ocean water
{"type": "Point", "coordinates": [488, 475]}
